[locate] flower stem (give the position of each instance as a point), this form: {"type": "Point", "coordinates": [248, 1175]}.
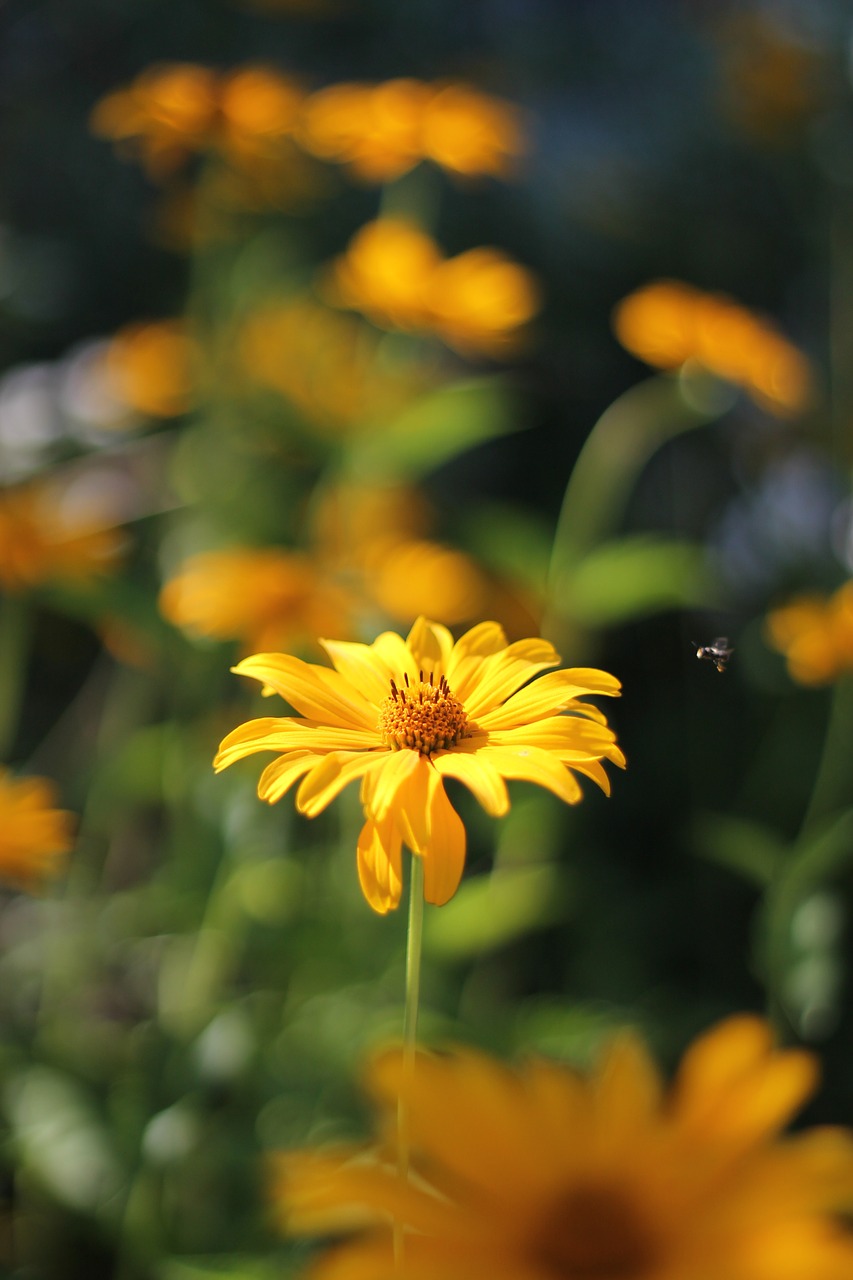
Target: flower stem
{"type": "Point", "coordinates": [410, 1029]}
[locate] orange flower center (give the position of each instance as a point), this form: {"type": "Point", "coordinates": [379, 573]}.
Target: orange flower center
{"type": "Point", "coordinates": [594, 1233]}
{"type": "Point", "coordinates": [425, 717]}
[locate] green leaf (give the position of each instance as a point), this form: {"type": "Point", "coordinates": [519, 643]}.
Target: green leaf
{"type": "Point", "coordinates": [748, 848]}
{"type": "Point", "coordinates": [490, 911]}
{"type": "Point", "coordinates": [635, 576]}
{"type": "Point", "coordinates": [436, 428]}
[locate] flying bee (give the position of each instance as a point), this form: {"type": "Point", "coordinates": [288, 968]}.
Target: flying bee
{"type": "Point", "coordinates": [718, 651]}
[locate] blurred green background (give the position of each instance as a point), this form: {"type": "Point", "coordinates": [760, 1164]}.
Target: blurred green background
{"type": "Point", "coordinates": [180, 363]}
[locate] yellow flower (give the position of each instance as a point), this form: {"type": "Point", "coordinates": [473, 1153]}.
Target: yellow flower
{"type": "Point", "coordinates": [403, 715]}
{"type": "Point", "coordinates": [380, 131]}
{"type": "Point", "coordinates": [545, 1174]}
{"type": "Point", "coordinates": [327, 364]}
{"type": "Point", "coordinates": [152, 368]}
{"type": "Point", "coordinates": [396, 275]}
{"type": "Point", "coordinates": [815, 633]}
{"type": "Point", "coordinates": [44, 537]}
{"type": "Point", "coordinates": [261, 596]}
{"type": "Point", "coordinates": [34, 835]}
{"type": "Point", "coordinates": [666, 323]}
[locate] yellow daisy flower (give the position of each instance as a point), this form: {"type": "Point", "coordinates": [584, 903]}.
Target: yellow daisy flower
{"type": "Point", "coordinates": [403, 715]}
{"type": "Point", "coordinates": [545, 1174]}
{"type": "Point", "coordinates": [34, 835]}
{"type": "Point", "coordinates": [815, 633]}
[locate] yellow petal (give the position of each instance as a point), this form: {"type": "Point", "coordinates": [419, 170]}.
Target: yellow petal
{"type": "Point", "coordinates": [278, 777]}
{"type": "Point", "coordinates": [379, 791]}
{"type": "Point", "coordinates": [332, 773]}
{"type": "Point", "coordinates": [490, 682]}
{"type": "Point", "coordinates": [431, 645]}
{"type": "Point", "coordinates": [479, 776]}
{"type": "Point", "coordinates": [550, 693]}
{"type": "Point", "coordinates": [628, 1089]}
{"type": "Point", "coordinates": [379, 868]}
{"type": "Point", "coordinates": [444, 855]}
{"type": "Point", "coordinates": [532, 764]}
{"type": "Point", "coordinates": [363, 667]}
{"type": "Point", "coordinates": [316, 692]}
{"type": "Point", "coordinates": [247, 738]}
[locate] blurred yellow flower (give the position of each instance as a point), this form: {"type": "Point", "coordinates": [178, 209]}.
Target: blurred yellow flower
{"type": "Point", "coordinates": [542, 1173]}
{"type": "Point", "coordinates": [815, 633]}
{"type": "Point", "coordinates": [403, 715]}
{"type": "Point", "coordinates": [667, 322]}
{"type": "Point", "coordinates": [327, 364]}
{"type": "Point", "coordinates": [773, 79]}
{"type": "Point", "coordinates": [265, 597]}
{"type": "Point", "coordinates": [34, 835]}
{"type": "Point", "coordinates": [44, 538]}
{"type": "Point", "coordinates": [477, 302]}
{"type": "Point", "coordinates": [380, 131]}
{"type": "Point", "coordinates": [173, 110]}
{"type": "Point", "coordinates": [152, 368]}
{"type": "Point", "coordinates": [168, 112]}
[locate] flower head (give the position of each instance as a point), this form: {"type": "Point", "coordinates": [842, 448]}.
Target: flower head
{"type": "Point", "coordinates": [34, 835]}
{"type": "Point", "coordinates": [404, 715]}
{"type": "Point", "coordinates": [262, 596]}
{"type": "Point", "coordinates": [667, 322]}
{"type": "Point", "coordinates": [545, 1174]}
{"type": "Point", "coordinates": [47, 535]}
{"type": "Point", "coordinates": [815, 633]}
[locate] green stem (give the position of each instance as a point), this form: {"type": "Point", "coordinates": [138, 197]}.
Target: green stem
{"type": "Point", "coordinates": [410, 1029]}
{"type": "Point", "coordinates": [616, 451]}
{"type": "Point", "coordinates": [15, 618]}
{"type": "Point", "coordinates": [831, 790]}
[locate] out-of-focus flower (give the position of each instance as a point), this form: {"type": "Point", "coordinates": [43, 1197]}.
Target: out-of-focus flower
{"type": "Point", "coordinates": [44, 539]}
{"type": "Point", "coordinates": [34, 834]}
{"type": "Point", "coordinates": [152, 368]}
{"type": "Point", "coordinates": [477, 302]}
{"type": "Point", "coordinates": [480, 301]}
{"type": "Point", "coordinates": [265, 597]}
{"type": "Point", "coordinates": [167, 113]}
{"type": "Point", "coordinates": [403, 715]}
{"type": "Point", "coordinates": [542, 1173]}
{"type": "Point", "coordinates": [380, 131]}
{"type": "Point", "coordinates": [327, 364]}
{"type": "Point", "coordinates": [379, 537]}
{"type": "Point", "coordinates": [174, 110]}
{"type": "Point", "coordinates": [667, 323]}
{"type": "Point", "coordinates": [772, 81]}
{"type": "Point", "coordinates": [815, 633]}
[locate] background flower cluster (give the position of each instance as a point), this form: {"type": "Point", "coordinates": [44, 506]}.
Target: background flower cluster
{"type": "Point", "coordinates": [320, 315]}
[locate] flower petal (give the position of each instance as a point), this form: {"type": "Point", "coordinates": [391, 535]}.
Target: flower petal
{"type": "Point", "coordinates": [316, 692]}
{"type": "Point", "coordinates": [431, 645]}
{"type": "Point", "coordinates": [532, 764]}
{"type": "Point", "coordinates": [479, 776]}
{"type": "Point", "coordinates": [363, 666]}
{"type": "Point", "coordinates": [444, 855]}
{"type": "Point", "coordinates": [279, 776]}
{"type": "Point", "coordinates": [379, 789]}
{"type": "Point", "coordinates": [550, 693]}
{"type": "Point", "coordinates": [379, 868]}
{"type": "Point", "coordinates": [488, 683]}
{"type": "Point", "coordinates": [332, 773]}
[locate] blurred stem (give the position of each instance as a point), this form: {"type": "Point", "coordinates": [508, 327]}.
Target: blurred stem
{"type": "Point", "coordinates": [608, 466]}
{"type": "Point", "coordinates": [831, 789]}
{"type": "Point", "coordinates": [410, 1028]}
{"type": "Point", "coordinates": [15, 618]}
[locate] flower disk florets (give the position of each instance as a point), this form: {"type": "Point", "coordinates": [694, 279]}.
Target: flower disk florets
{"type": "Point", "coordinates": [425, 717]}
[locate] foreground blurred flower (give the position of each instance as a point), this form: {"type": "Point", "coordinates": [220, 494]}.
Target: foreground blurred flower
{"type": "Point", "coordinates": [403, 715]}
{"type": "Point", "coordinates": [815, 633]}
{"type": "Point", "coordinates": [544, 1174]}
{"type": "Point", "coordinates": [477, 302]}
{"type": "Point", "coordinates": [261, 596]}
{"type": "Point", "coordinates": [667, 322]}
{"type": "Point", "coordinates": [34, 835]}
{"type": "Point", "coordinates": [46, 537]}
{"type": "Point", "coordinates": [380, 131]}
{"type": "Point", "coordinates": [152, 368]}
